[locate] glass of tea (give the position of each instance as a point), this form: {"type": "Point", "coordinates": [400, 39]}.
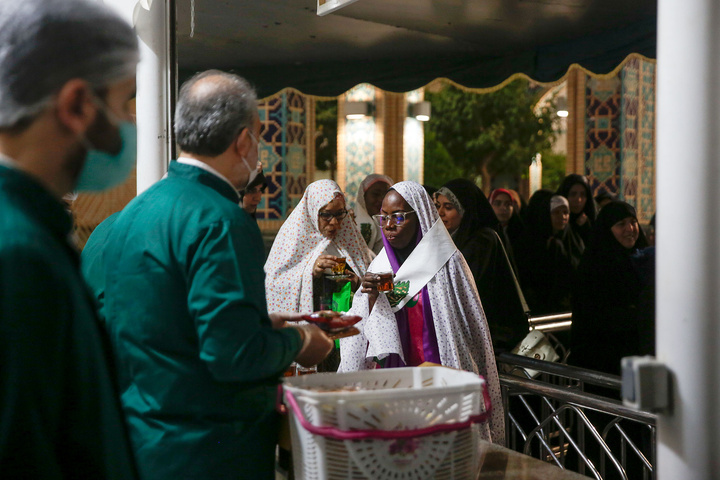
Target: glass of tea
{"type": "Point", "coordinates": [339, 267]}
{"type": "Point", "coordinates": [386, 281]}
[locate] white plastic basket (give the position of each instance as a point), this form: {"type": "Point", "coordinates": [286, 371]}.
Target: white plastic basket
{"type": "Point", "coordinates": [401, 424]}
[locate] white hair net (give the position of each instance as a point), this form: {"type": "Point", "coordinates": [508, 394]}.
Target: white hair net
{"type": "Point", "coordinates": [45, 43]}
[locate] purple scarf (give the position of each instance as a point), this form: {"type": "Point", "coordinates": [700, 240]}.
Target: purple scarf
{"type": "Point", "coordinates": [430, 347]}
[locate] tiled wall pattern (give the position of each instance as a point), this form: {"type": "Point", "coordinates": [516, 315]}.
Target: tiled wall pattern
{"type": "Point", "coordinates": [282, 150]}
{"type": "Point", "coordinates": [637, 145]}
{"type": "Point", "coordinates": [619, 135]}
{"type": "Point", "coordinates": [359, 145]}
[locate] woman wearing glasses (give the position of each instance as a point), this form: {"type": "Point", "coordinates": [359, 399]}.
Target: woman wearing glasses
{"type": "Point", "coordinates": [316, 234]}
{"type": "Point", "coordinates": [433, 314]}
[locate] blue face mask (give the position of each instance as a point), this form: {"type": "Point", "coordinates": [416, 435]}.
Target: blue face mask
{"type": "Point", "coordinates": [104, 170]}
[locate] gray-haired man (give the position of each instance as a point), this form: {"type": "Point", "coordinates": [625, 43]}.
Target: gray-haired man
{"type": "Point", "coordinates": [199, 356]}
{"type": "Point", "coordinates": [67, 71]}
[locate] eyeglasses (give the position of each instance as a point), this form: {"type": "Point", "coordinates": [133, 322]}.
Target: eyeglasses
{"type": "Point", "coordinates": [398, 218]}
{"type": "Point", "coordinates": [327, 216]}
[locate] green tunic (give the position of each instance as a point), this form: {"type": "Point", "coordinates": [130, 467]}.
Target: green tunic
{"type": "Point", "coordinates": [185, 306]}
{"type": "Point", "coordinates": [60, 414]}
{"type": "Point", "coordinates": [93, 264]}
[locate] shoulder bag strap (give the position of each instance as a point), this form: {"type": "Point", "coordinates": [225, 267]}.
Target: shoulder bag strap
{"type": "Point", "coordinates": [512, 272]}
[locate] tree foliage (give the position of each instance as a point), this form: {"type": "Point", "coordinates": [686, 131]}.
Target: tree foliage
{"type": "Point", "coordinates": [326, 113]}
{"type": "Point", "coordinates": [486, 134]}
{"type": "Point", "coordinates": [553, 168]}
{"type": "Point", "coordinates": [442, 168]}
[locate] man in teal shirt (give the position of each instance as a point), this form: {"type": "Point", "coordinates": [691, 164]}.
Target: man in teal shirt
{"type": "Point", "coordinates": [67, 71]}
{"type": "Point", "coordinates": [93, 265]}
{"type": "Point", "coordinates": [199, 358]}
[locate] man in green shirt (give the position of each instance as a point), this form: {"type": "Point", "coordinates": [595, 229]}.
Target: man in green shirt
{"type": "Point", "coordinates": [67, 71]}
{"type": "Point", "coordinates": [199, 358]}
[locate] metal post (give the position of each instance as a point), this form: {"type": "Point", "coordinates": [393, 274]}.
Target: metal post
{"type": "Point", "coordinates": [688, 266]}
{"type": "Point", "coordinates": [155, 87]}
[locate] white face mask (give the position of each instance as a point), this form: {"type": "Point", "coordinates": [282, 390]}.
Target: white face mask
{"type": "Point", "coordinates": [253, 171]}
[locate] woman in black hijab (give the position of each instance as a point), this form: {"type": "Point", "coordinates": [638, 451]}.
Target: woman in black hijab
{"type": "Point", "coordinates": [548, 258]}
{"type": "Point", "coordinates": [605, 301]}
{"type": "Point", "coordinates": [471, 221]}
{"type": "Point", "coordinates": [582, 208]}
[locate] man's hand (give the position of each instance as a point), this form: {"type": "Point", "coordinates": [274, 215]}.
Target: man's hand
{"type": "Point", "coordinates": [316, 346]}
{"type": "Point", "coordinates": [279, 320]}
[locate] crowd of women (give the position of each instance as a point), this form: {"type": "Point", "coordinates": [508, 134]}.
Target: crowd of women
{"type": "Point", "coordinates": [468, 271]}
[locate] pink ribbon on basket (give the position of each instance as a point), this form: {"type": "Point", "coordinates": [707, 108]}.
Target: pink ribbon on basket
{"type": "Point", "coordinates": [338, 434]}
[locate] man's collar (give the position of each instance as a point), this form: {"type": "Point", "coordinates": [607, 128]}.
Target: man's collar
{"type": "Point", "coordinates": [200, 164]}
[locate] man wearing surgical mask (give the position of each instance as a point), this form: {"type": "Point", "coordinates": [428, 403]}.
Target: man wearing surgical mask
{"type": "Point", "coordinates": [67, 72]}
{"type": "Point", "coordinates": [199, 357]}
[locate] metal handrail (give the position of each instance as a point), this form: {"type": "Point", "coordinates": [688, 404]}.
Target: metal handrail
{"type": "Point", "coordinates": [556, 317]}
{"type": "Point", "coordinates": [561, 423]}
{"type": "Point", "coordinates": [577, 398]}
{"type": "Point", "coordinates": [551, 323]}
{"type": "Point", "coordinates": [561, 370]}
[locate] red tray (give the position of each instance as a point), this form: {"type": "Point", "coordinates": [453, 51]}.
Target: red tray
{"type": "Point", "coordinates": [332, 322]}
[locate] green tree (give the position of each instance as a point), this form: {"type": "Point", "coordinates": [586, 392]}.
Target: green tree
{"type": "Point", "coordinates": [488, 134]}
{"type": "Point", "coordinates": [553, 168]}
{"type": "Point", "coordinates": [326, 120]}
{"type": "Point", "coordinates": [441, 168]}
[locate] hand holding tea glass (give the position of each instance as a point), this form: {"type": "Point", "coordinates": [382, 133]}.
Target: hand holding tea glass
{"type": "Point", "coordinates": [374, 282]}
{"type": "Point", "coordinates": [335, 264]}
{"type": "Point", "coordinates": [387, 281]}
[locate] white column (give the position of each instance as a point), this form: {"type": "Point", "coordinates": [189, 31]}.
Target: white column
{"type": "Point", "coordinates": [153, 91]}
{"type": "Point", "coordinates": [688, 245]}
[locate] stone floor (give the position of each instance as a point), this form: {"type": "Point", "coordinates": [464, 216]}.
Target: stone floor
{"type": "Point", "coordinates": [499, 463]}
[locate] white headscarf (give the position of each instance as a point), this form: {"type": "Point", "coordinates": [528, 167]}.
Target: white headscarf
{"type": "Point", "coordinates": [288, 280]}
{"type": "Point", "coordinates": [369, 229]}
{"type": "Point", "coordinates": [461, 328]}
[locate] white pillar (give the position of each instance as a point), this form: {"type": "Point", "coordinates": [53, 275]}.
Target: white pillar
{"type": "Point", "coordinates": [688, 239]}
{"type": "Point", "coordinates": [153, 101]}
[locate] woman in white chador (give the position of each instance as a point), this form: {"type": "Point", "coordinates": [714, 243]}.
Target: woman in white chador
{"type": "Point", "coordinates": [317, 232]}
{"type": "Point", "coordinates": [434, 312]}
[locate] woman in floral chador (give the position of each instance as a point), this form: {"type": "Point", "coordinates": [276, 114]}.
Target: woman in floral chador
{"type": "Point", "coordinates": [434, 312]}
{"type": "Point", "coordinates": [317, 232]}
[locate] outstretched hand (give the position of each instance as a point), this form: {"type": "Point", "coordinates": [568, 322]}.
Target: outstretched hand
{"type": "Point", "coordinates": [279, 319]}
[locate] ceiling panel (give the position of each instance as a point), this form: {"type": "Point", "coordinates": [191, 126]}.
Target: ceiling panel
{"type": "Point", "coordinates": [284, 42]}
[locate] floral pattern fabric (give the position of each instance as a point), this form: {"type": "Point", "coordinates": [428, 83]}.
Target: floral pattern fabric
{"type": "Point", "coordinates": [461, 328]}
{"type": "Point", "coordinates": [298, 244]}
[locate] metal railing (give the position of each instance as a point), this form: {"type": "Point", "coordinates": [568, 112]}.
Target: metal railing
{"type": "Point", "coordinates": [551, 323]}
{"type": "Point", "coordinates": [555, 419]}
